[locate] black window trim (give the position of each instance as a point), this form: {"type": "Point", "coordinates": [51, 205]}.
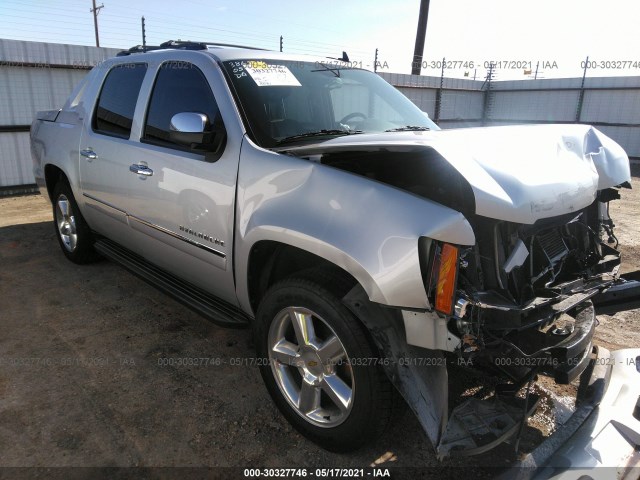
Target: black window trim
{"type": "Point", "coordinates": [97, 104]}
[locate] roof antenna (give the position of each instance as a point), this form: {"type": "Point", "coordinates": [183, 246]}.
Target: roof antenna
{"type": "Point", "coordinates": [144, 36]}
{"type": "Point", "coordinates": [345, 57]}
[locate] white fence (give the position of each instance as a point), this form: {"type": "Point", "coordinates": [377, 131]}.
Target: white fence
{"type": "Point", "coordinates": [611, 104]}
{"type": "Point", "coordinates": [35, 76]}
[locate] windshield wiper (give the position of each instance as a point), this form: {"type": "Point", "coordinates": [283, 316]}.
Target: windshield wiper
{"type": "Point", "coordinates": [319, 133]}
{"type": "Point", "coordinates": [409, 128]}
{"type": "Point", "coordinates": [334, 70]}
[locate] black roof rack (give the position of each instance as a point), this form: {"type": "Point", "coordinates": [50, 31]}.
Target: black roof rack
{"type": "Point", "coordinates": [189, 45]}
{"type": "Point", "coordinates": [218, 44]}
{"type": "Point", "coordinates": [136, 49]}
{"type": "Point", "coordinates": [180, 45]}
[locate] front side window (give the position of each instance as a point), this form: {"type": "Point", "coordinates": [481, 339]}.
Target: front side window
{"type": "Point", "coordinates": [179, 87]}
{"type": "Point", "coordinates": [117, 101]}
{"type": "Point", "coordinates": [287, 101]}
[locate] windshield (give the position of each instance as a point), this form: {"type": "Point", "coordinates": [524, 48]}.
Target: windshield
{"type": "Point", "coordinates": [290, 101]}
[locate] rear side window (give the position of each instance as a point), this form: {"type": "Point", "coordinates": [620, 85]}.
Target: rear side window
{"type": "Point", "coordinates": [179, 87]}
{"type": "Point", "coordinates": [117, 101]}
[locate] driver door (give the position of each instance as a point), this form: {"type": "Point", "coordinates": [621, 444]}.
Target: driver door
{"type": "Point", "coordinates": [183, 205]}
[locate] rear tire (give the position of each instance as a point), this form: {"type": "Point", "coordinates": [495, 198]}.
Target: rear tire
{"type": "Point", "coordinates": [72, 231]}
{"type": "Point", "coordinates": [320, 366]}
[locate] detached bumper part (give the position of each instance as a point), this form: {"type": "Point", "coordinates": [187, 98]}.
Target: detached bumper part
{"type": "Point", "coordinates": [604, 431]}
{"type": "Point", "coordinates": [477, 426]}
{"type": "Point", "coordinates": [623, 295]}
{"type": "Point", "coordinates": [424, 385]}
{"type": "Point", "coordinates": [573, 352]}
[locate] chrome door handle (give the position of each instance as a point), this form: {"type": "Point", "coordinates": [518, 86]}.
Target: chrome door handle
{"type": "Point", "coordinates": [141, 170]}
{"type": "Point", "coordinates": [90, 154]}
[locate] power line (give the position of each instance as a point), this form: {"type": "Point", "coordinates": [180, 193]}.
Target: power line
{"type": "Point", "coordinates": [131, 20]}
{"type": "Point", "coordinates": [288, 22]}
{"type": "Point", "coordinates": [39, 8]}
{"type": "Point", "coordinates": [45, 24]}
{"type": "Point", "coordinates": [112, 31]}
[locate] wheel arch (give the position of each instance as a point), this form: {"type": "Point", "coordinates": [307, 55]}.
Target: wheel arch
{"type": "Point", "coordinates": [52, 174]}
{"type": "Point", "coordinates": [270, 261]}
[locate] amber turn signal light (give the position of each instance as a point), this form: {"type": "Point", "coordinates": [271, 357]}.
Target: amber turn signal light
{"type": "Point", "coordinates": [447, 272]}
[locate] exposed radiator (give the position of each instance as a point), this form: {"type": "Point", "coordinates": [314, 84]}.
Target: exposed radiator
{"type": "Point", "coordinates": [553, 245]}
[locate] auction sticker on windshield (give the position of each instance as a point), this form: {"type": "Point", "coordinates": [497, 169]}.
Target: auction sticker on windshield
{"type": "Point", "coordinates": [266, 75]}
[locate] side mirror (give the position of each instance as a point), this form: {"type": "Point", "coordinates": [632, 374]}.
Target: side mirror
{"type": "Point", "coordinates": [188, 127]}
{"type": "Point", "coordinates": [193, 130]}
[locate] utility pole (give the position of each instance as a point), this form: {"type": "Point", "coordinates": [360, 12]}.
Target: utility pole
{"type": "Point", "coordinates": [439, 93]}
{"type": "Point", "coordinates": [581, 96]}
{"type": "Point", "coordinates": [144, 37]}
{"type": "Point", "coordinates": [487, 107]}
{"type": "Point", "coordinates": [421, 34]}
{"type": "Point", "coordinates": [375, 62]}
{"type": "Point", "coordinates": [95, 11]}
{"type": "Point", "coordinates": [280, 42]}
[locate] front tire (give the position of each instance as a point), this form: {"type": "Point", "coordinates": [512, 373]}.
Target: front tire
{"type": "Point", "coordinates": [72, 232]}
{"type": "Point", "coordinates": [320, 366]}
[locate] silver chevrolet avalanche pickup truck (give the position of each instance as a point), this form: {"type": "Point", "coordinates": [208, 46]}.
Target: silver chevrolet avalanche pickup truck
{"type": "Point", "coordinates": [366, 247]}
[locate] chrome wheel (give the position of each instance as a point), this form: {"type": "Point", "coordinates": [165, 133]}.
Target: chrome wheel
{"type": "Point", "coordinates": [310, 366]}
{"type": "Point", "coordinates": [66, 223]}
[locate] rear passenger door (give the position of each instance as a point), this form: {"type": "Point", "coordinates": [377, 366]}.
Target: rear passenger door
{"type": "Point", "coordinates": [183, 204]}
{"type": "Point", "coordinates": [107, 186]}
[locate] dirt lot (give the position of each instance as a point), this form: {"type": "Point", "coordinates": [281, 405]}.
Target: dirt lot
{"type": "Point", "coordinates": [82, 381]}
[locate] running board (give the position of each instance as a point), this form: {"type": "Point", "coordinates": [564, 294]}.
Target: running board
{"type": "Point", "coordinates": [207, 305]}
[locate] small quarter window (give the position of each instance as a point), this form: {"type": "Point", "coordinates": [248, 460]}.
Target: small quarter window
{"type": "Point", "coordinates": [117, 101]}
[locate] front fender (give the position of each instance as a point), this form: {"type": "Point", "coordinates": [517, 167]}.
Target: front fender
{"type": "Point", "coordinates": [369, 229]}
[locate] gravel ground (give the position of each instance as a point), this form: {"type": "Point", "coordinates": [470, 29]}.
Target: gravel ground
{"type": "Point", "coordinates": [82, 379]}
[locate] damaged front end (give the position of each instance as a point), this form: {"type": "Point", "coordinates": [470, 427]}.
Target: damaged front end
{"type": "Point", "coordinates": [523, 292]}
{"type": "Point", "coordinates": [519, 301]}
{"type": "Point", "coordinates": [521, 305]}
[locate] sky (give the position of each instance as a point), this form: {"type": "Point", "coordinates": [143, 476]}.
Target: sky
{"type": "Point", "coordinates": [555, 36]}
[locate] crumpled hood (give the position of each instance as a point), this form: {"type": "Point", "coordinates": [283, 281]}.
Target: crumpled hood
{"type": "Point", "coordinates": [517, 173]}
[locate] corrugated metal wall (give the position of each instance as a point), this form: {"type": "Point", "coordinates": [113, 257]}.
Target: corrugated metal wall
{"type": "Point", "coordinates": [15, 159]}
{"type": "Point", "coordinates": [461, 99]}
{"type": "Point", "coordinates": [40, 76]}
{"type": "Point", "coordinates": [611, 104]}
{"type": "Point", "coordinates": [35, 76]}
